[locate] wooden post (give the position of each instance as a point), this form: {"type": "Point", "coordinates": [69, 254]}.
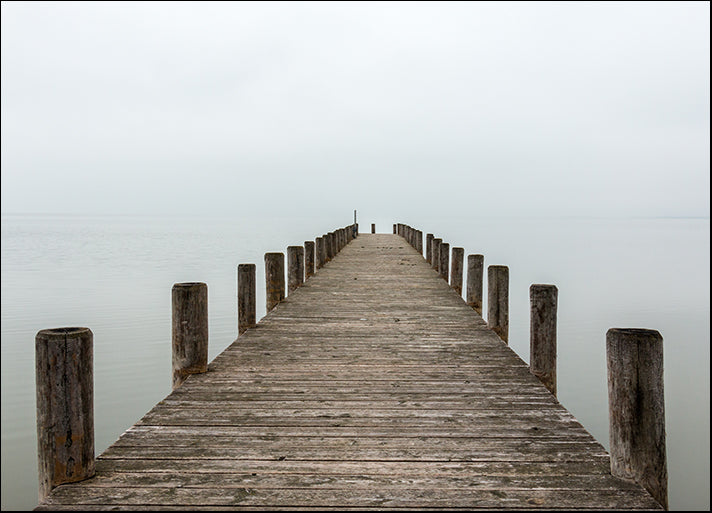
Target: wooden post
{"type": "Point", "coordinates": [435, 258]}
{"type": "Point", "coordinates": [498, 300]}
{"type": "Point", "coordinates": [475, 278]}
{"type": "Point", "coordinates": [308, 259]}
{"type": "Point", "coordinates": [325, 249]}
{"type": "Point", "coordinates": [329, 246]}
{"type": "Point", "coordinates": [190, 330]}
{"type": "Point", "coordinates": [319, 251]}
{"type": "Point", "coordinates": [274, 277]}
{"type": "Point", "coordinates": [373, 228]}
{"type": "Point", "coordinates": [428, 247]}
{"type": "Point", "coordinates": [458, 255]}
{"type": "Point", "coordinates": [295, 268]}
{"type": "Point", "coordinates": [394, 229]}
{"type": "Point", "coordinates": [246, 297]}
{"type": "Point", "coordinates": [419, 242]}
{"type": "Point", "coordinates": [636, 406]}
{"type": "Point", "coordinates": [444, 260]}
{"type": "Point", "coordinates": [542, 334]}
{"type": "Point", "coordinates": [64, 376]}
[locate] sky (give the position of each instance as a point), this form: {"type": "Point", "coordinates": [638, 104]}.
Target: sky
{"type": "Point", "coordinates": [463, 108]}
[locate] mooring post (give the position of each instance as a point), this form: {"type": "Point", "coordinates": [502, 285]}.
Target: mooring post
{"type": "Point", "coordinates": [475, 278]}
{"type": "Point", "coordinates": [444, 260]}
{"type": "Point", "coordinates": [308, 258]}
{"type": "Point", "coordinates": [295, 268]}
{"type": "Point", "coordinates": [542, 334]}
{"type": "Point", "coordinates": [373, 228]}
{"type": "Point", "coordinates": [319, 252]}
{"type": "Point", "coordinates": [246, 294]}
{"type": "Point", "coordinates": [458, 255]}
{"type": "Point", "coordinates": [636, 406]}
{"type": "Point", "coordinates": [329, 246]}
{"type": "Point", "coordinates": [64, 376]}
{"type": "Point", "coordinates": [435, 257]}
{"type": "Point", "coordinates": [428, 247]}
{"type": "Point", "coordinates": [498, 300]}
{"type": "Point", "coordinates": [190, 330]}
{"type": "Point", "coordinates": [325, 249]}
{"type": "Point", "coordinates": [274, 278]}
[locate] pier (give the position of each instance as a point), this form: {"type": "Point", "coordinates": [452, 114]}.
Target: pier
{"type": "Point", "coordinates": [372, 384]}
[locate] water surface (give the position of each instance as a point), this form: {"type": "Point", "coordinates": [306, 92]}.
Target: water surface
{"type": "Point", "coordinates": [114, 275]}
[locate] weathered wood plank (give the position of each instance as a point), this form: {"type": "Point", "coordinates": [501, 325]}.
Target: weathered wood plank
{"type": "Point", "coordinates": [305, 498]}
{"type": "Point", "coordinates": [358, 481]}
{"type": "Point", "coordinates": [505, 430]}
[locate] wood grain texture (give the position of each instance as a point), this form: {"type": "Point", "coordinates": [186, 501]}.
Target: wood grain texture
{"type": "Point", "coordinates": [371, 386]}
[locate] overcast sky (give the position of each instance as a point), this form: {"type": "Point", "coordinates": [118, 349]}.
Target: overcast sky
{"type": "Point", "coordinates": [275, 108]}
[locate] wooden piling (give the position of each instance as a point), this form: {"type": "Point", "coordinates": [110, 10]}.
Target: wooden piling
{"type": "Point", "coordinates": [319, 252]}
{"type": "Point", "coordinates": [373, 228]}
{"type": "Point", "coordinates": [542, 334]}
{"type": "Point", "coordinates": [637, 408]}
{"type": "Point", "coordinates": [458, 254]}
{"type": "Point", "coordinates": [190, 330]}
{"type": "Point", "coordinates": [475, 278]}
{"type": "Point", "coordinates": [274, 278]}
{"type": "Point", "coordinates": [428, 247]}
{"type": "Point", "coordinates": [308, 259]}
{"type": "Point", "coordinates": [444, 262]}
{"type": "Point", "coordinates": [498, 300]}
{"type": "Point", "coordinates": [419, 242]}
{"type": "Point", "coordinates": [295, 268]}
{"type": "Point", "coordinates": [435, 255]}
{"type": "Point", "coordinates": [64, 376]}
{"type": "Point", "coordinates": [329, 246]}
{"type": "Point", "coordinates": [246, 297]}
{"type": "Point", "coordinates": [394, 229]}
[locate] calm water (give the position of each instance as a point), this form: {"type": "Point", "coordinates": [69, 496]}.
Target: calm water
{"type": "Point", "coordinates": [114, 275]}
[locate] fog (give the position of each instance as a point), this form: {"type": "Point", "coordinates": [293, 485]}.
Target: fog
{"type": "Point", "coordinates": [398, 109]}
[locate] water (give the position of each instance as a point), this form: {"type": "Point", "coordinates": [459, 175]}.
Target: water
{"type": "Point", "coordinates": [114, 275]}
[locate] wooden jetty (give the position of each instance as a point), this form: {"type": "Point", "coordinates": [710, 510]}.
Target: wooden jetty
{"type": "Point", "coordinates": [373, 385]}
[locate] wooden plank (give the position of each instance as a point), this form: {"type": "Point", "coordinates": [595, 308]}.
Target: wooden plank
{"type": "Point", "coordinates": [337, 498]}
{"type": "Point", "coordinates": [593, 466]}
{"type": "Point", "coordinates": [504, 430]}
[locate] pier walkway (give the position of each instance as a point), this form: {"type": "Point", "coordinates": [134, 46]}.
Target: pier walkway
{"type": "Point", "coordinates": [372, 386]}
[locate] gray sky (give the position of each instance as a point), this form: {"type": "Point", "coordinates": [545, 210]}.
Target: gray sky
{"type": "Point", "coordinates": [275, 108]}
